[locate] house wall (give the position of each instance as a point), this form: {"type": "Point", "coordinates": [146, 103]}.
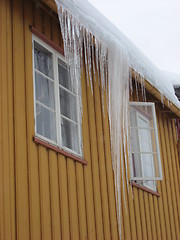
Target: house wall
{"type": "Point", "coordinates": [46, 195]}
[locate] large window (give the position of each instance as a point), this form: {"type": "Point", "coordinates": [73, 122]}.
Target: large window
{"type": "Point", "coordinates": [57, 118]}
{"type": "Point", "coordinates": [145, 156]}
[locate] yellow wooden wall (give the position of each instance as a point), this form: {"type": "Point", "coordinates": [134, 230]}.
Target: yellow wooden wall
{"type": "Point", "coordinates": [45, 195]}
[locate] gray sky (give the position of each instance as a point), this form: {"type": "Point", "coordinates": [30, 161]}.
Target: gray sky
{"type": "Point", "coordinates": [154, 26]}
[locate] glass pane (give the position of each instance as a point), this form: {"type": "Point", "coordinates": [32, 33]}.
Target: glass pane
{"type": "Point", "coordinates": [69, 132]}
{"type": "Point", "coordinates": [136, 165]}
{"type": "Point", "coordinates": [64, 75]}
{"type": "Point", "coordinates": [44, 91]}
{"type": "Point", "coordinates": [46, 123]}
{"type": "Point", "coordinates": [43, 60]}
{"type": "Point", "coordinates": [145, 165]}
{"type": "Point", "coordinates": [135, 134]}
{"type": "Point", "coordinates": [145, 111]}
{"type": "Point", "coordinates": [68, 104]}
{"type": "Point", "coordinates": [148, 165]}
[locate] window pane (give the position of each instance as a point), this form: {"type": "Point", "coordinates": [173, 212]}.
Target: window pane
{"type": "Point", "coordinates": [43, 60]}
{"type": "Point", "coordinates": [69, 132]}
{"type": "Point", "coordinates": [145, 147]}
{"type": "Point", "coordinates": [145, 165]}
{"type": "Point", "coordinates": [45, 122]}
{"type": "Point", "coordinates": [44, 91]}
{"type": "Point", "coordinates": [136, 165]}
{"type": "Point", "coordinates": [145, 111]}
{"type": "Point", "coordinates": [64, 75]}
{"type": "Point", "coordinates": [68, 104]}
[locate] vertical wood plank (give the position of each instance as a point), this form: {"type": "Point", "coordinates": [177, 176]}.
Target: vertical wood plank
{"type": "Point", "coordinates": [63, 188]}
{"type": "Point", "coordinates": [137, 214]}
{"type": "Point", "coordinates": [109, 171]}
{"type": "Point", "coordinates": [170, 160]}
{"type": "Point", "coordinates": [157, 218]}
{"type": "Point", "coordinates": [91, 228]}
{"type": "Point", "coordinates": [176, 152]}
{"type": "Point", "coordinates": [95, 165]}
{"type": "Point", "coordinates": [10, 116]}
{"type": "Point", "coordinates": [101, 157]}
{"type": "Point", "coordinates": [22, 203]}
{"type": "Point", "coordinates": [176, 168]}
{"type": "Point", "coordinates": [4, 129]}
{"type": "Point", "coordinates": [132, 214]}
{"type": "Point", "coordinates": [142, 213]}
{"type": "Point", "coordinates": [54, 194]}
{"type": "Point", "coordinates": [147, 212]}
{"type": "Point", "coordinates": [72, 195]}
{"type": "Point", "coordinates": [152, 217]}
{"type": "Point", "coordinates": [44, 193]}
{"type": "Point", "coordinates": [2, 21]}
{"type": "Point", "coordinates": [34, 191]}
{"type": "Point", "coordinates": [164, 183]}
{"type": "Point", "coordinates": [38, 17]}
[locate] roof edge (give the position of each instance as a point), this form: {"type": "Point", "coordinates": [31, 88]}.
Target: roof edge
{"type": "Point", "coordinates": [156, 93]}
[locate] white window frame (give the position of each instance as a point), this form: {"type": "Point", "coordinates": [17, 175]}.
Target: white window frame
{"type": "Point", "coordinates": [55, 56]}
{"type": "Point", "coordinates": [144, 180]}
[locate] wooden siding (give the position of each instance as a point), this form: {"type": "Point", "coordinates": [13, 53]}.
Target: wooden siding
{"type": "Point", "coordinates": [46, 195]}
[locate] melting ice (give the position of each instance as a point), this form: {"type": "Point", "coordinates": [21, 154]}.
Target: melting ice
{"type": "Point", "coordinates": [112, 55]}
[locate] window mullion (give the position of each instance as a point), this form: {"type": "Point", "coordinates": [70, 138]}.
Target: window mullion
{"type": "Point", "coordinates": [34, 91]}
{"type": "Point", "coordinates": [79, 121]}
{"type": "Point", "coordinates": [56, 90]}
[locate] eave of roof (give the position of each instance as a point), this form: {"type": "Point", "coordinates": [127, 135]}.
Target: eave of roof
{"type": "Point", "coordinates": [153, 90]}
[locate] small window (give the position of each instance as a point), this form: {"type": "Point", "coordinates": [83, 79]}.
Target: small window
{"type": "Point", "coordinates": [145, 155]}
{"type": "Point", "coordinates": [56, 107]}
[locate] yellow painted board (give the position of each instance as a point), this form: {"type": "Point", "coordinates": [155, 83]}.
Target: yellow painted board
{"type": "Point", "coordinates": [95, 166]}
{"type": "Point", "coordinates": [137, 213]}
{"type": "Point", "coordinates": [63, 188]}
{"type": "Point", "coordinates": [88, 183]}
{"type": "Point", "coordinates": [176, 152]}
{"type": "Point", "coordinates": [47, 25]}
{"type": "Point", "coordinates": [81, 201]}
{"type": "Point", "coordinates": [101, 157]}
{"type": "Point", "coordinates": [34, 191]}
{"type": "Point", "coordinates": [163, 198]}
{"type": "Point", "coordinates": [168, 176]}
{"type": "Point", "coordinates": [45, 193]}
{"type": "Point", "coordinates": [170, 160]}
{"type": "Point", "coordinates": [21, 168]}
{"type": "Point", "coordinates": [124, 201]}
{"type": "Point", "coordinates": [72, 196]}
{"type": "Point", "coordinates": [147, 212]}
{"type": "Point", "coordinates": [38, 17]}
{"type": "Point", "coordinates": [55, 29]}
{"type": "Point", "coordinates": [5, 130]}
{"type": "Point", "coordinates": [157, 218]}
{"type": "Point", "coordinates": [132, 214]}
{"type": "Point", "coordinates": [142, 214]}
{"type": "Point", "coordinates": [109, 171]}
{"type": "Point", "coordinates": [152, 217]}
{"type": "Point", "coordinates": [174, 169]}
{"type": "Point", "coordinates": [1, 138]}
{"type": "Point", "coordinates": [54, 194]}
{"type": "Point", "coordinates": [10, 115]}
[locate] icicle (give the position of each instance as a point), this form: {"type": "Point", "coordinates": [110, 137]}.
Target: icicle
{"type": "Point", "coordinates": [107, 55]}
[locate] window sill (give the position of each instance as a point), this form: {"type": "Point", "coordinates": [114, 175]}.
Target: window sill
{"type": "Point", "coordinates": [47, 145]}
{"type": "Point", "coordinates": [144, 189]}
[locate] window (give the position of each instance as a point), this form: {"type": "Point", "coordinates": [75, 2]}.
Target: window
{"type": "Point", "coordinates": [145, 155]}
{"type": "Point", "coordinates": [56, 105]}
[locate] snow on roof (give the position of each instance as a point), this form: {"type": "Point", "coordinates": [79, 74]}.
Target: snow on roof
{"type": "Point", "coordinates": [107, 32]}
{"type": "Point", "coordinates": [174, 78]}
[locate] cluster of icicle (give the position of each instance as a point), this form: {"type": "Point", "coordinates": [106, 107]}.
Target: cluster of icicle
{"type": "Point", "coordinates": [81, 45]}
